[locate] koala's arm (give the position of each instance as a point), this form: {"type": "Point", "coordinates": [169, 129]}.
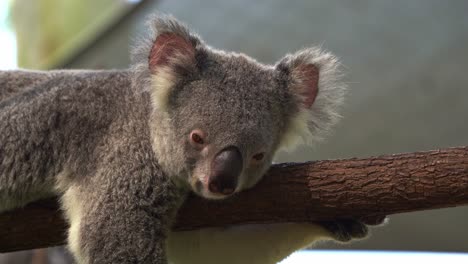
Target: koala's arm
{"type": "Point", "coordinates": [266, 244]}
{"type": "Point", "coordinates": [122, 214]}
{"type": "Point", "coordinates": [83, 136]}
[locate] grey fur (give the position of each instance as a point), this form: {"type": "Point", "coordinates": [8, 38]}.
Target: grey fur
{"type": "Point", "coordinates": [324, 112]}
{"type": "Point", "coordinates": [98, 139]}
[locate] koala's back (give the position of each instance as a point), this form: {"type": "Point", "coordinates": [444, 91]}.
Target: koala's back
{"type": "Point", "coordinates": [13, 83]}
{"type": "Point", "coordinates": [55, 121]}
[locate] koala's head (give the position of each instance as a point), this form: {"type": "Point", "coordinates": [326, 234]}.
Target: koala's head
{"type": "Point", "coordinates": [218, 118]}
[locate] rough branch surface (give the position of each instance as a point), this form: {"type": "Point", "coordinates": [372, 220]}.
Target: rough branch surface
{"type": "Point", "coordinates": [362, 188]}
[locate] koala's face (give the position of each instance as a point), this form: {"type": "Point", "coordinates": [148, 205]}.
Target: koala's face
{"type": "Point", "coordinates": [230, 120]}
{"type": "Point", "coordinates": [218, 118]}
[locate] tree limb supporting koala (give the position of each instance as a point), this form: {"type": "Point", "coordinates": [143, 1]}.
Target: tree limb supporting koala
{"type": "Point", "coordinates": [367, 188]}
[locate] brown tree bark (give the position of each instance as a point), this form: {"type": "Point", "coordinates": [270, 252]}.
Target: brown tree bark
{"type": "Point", "coordinates": [360, 188]}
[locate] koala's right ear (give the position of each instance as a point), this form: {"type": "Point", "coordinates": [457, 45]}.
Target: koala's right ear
{"type": "Point", "coordinates": [171, 59]}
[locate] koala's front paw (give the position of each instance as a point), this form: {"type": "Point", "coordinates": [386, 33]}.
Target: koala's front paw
{"type": "Point", "coordinates": [344, 230]}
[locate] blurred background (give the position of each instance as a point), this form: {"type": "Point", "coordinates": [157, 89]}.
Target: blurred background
{"type": "Point", "coordinates": [406, 64]}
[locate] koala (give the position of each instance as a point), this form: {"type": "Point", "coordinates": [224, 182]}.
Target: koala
{"type": "Point", "coordinates": [123, 148]}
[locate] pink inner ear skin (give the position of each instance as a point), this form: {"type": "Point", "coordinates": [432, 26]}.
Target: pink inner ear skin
{"type": "Point", "coordinates": [166, 46]}
{"type": "Point", "coordinates": [309, 75]}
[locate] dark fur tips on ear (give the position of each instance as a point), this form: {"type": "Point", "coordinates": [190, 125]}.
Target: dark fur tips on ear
{"type": "Point", "coordinates": [168, 48]}
{"type": "Point", "coordinates": [308, 75]}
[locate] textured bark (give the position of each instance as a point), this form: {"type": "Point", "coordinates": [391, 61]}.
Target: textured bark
{"type": "Point", "coordinates": [361, 188]}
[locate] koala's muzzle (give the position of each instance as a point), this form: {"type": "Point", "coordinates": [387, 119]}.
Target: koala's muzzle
{"type": "Point", "coordinates": [225, 171]}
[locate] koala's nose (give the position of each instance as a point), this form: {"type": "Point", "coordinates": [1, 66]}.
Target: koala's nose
{"type": "Point", "coordinates": [225, 171]}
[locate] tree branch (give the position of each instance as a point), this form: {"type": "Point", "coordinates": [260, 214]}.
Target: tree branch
{"type": "Point", "coordinates": [362, 188]}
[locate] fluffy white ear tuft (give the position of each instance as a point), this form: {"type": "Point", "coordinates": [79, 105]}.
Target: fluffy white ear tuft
{"type": "Point", "coordinates": [314, 79]}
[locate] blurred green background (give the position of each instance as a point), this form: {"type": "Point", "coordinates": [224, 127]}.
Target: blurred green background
{"type": "Point", "coordinates": [406, 63]}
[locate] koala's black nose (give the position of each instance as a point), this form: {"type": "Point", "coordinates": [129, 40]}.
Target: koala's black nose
{"type": "Point", "coordinates": [225, 171]}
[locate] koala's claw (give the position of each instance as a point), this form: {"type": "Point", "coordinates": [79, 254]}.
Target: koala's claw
{"type": "Point", "coordinates": [344, 230]}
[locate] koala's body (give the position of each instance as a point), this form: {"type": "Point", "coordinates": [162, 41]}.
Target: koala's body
{"type": "Point", "coordinates": [123, 148]}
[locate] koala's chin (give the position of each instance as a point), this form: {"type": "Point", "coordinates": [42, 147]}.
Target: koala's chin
{"type": "Point", "coordinates": [203, 190]}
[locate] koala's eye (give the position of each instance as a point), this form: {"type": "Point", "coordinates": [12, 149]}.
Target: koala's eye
{"type": "Point", "coordinates": [258, 156]}
{"type": "Point", "coordinates": [197, 138]}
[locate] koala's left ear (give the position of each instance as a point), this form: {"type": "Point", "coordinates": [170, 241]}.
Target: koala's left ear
{"type": "Point", "coordinates": [313, 78]}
